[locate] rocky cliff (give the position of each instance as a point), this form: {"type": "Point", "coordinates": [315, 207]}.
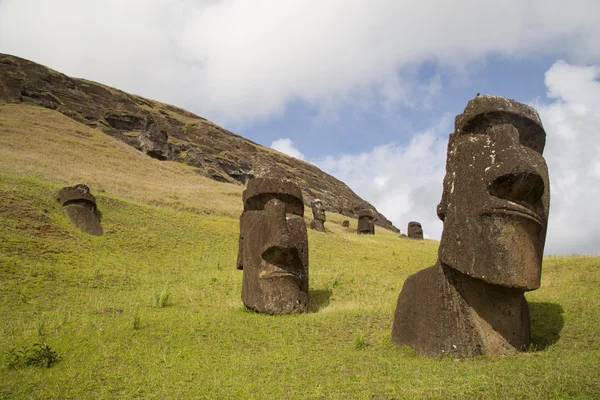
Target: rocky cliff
{"type": "Point", "coordinates": [166, 132]}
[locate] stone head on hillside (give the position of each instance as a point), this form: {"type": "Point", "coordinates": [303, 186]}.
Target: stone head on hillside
{"type": "Point", "coordinates": [273, 247]}
{"type": "Point", "coordinates": [80, 207]}
{"type": "Point", "coordinates": [415, 231]}
{"type": "Point", "coordinates": [318, 222]}
{"type": "Point", "coordinates": [366, 222]}
{"type": "Point", "coordinates": [346, 223]}
{"type": "Point", "coordinates": [494, 206]}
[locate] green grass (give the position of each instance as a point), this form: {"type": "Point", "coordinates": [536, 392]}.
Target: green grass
{"type": "Point", "coordinates": [152, 309]}
{"type": "Point", "coordinates": [91, 300]}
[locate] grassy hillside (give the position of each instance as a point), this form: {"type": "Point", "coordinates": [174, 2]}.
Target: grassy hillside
{"type": "Point", "coordinates": [96, 300]}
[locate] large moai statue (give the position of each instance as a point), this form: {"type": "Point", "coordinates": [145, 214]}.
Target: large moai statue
{"type": "Point", "coordinates": [80, 207]}
{"type": "Point", "coordinates": [494, 207]}
{"type": "Point", "coordinates": [273, 247]}
{"type": "Point", "coordinates": [415, 230]}
{"type": "Point", "coordinates": [366, 222]}
{"type": "Point", "coordinates": [318, 222]}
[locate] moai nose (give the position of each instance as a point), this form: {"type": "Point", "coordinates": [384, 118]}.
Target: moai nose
{"type": "Point", "coordinates": [278, 232]}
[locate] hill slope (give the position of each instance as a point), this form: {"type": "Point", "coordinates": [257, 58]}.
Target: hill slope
{"type": "Point", "coordinates": [166, 132]}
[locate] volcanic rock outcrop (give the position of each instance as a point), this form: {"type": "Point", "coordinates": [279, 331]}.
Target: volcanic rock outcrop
{"type": "Point", "coordinates": [494, 207]}
{"type": "Point", "coordinates": [80, 207]}
{"type": "Point", "coordinates": [273, 247]}
{"type": "Point", "coordinates": [166, 132]}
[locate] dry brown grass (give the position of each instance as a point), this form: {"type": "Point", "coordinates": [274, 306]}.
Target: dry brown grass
{"type": "Point", "coordinates": [44, 143]}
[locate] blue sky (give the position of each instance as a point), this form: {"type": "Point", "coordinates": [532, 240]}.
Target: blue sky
{"type": "Point", "coordinates": [365, 90]}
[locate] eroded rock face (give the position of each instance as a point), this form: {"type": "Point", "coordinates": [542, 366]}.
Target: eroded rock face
{"type": "Point", "coordinates": [318, 222]}
{"type": "Point", "coordinates": [415, 230]}
{"type": "Point", "coordinates": [80, 207]}
{"type": "Point", "coordinates": [495, 207]}
{"type": "Point", "coordinates": [366, 222]}
{"type": "Point", "coordinates": [273, 247]}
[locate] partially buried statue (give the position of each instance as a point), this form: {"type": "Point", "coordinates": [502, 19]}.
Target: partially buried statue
{"type": "Point", "coordinates": [366, 222]}
{"type": "Point", "coordinates": [494, 206]}
{"type": "Point", "coordinates": [80, 207]}
{"type": "Point", "coordinates": [415, 230]}
{"type": "Point", "coordinates": [273, 247]}
{"type": "Point", "coordinates": [318, 222]}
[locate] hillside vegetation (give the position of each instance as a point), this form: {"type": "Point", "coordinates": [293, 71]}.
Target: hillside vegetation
{"type": "Point", "coordinates": [152, 308]}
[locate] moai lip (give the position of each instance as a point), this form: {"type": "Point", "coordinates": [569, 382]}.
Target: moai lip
{"type": "Point", "coordinates": [80, 207]}
{"type": "Point", "coordinates": [273, 248]}
{"type": "Point", "coordinates": [494, 206]}
{"type": "Point", "coordinates": [415, 230]}
{"type": "Point", "coordinates": [366, 222]}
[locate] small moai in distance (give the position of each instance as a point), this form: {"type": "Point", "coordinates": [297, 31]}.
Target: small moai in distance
{"type": "Point", "coordinates": [415, 230]}
{"type": "Point", "coordinates": [494, 206]}
{"type": "Point", "coordinates": [318, 222]}
{"type": "Point", "coordinates": [366, 222]}
{"type": "Point", "coordinates": [346, 223]}
{"type": "Point", "coordinates": [273, 247]}
{"type": "Point", "coordinates": [80, 207]}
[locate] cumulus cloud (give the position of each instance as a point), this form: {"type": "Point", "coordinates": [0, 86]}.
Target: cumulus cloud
{"type": "Point", "coordinates": [286, 146]}
{"type": "Point", "coordinates": [236, 61]}
{"type": "Point", "coordinates": [572, 122]}
{"type": "Point", "coordinates": [405, 182]}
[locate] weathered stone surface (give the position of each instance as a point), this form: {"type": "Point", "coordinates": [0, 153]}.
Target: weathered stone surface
{"type": "Point", "coordinates": [346, 223]}
{"type": "Point", "coordinates": [318, 222]}
{"type": "Point", "coordinates": [167, 132]}
{"type": "Point", "coordinates": [273, 247]}
{"type": "Point", "coordinates": [80, 207]}
{"type": "Point", "coordinates": [415, 231]}
{"type": "Point", "coordinates": [366, 222]}
{"type": "Point", "coordinates": [494, 205]}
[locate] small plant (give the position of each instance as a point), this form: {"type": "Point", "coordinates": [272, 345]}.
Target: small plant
{"type": "Point", "coordinates": [39, 355]}
{"type": "Point", "coordinates": [136, 322]}
{"type": "Point", "coordinates": [359, 342]}
{"type": "Point", "coordinates": [160, 300]}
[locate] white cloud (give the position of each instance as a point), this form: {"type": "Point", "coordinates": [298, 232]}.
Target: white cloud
{"type": "Point", "coordinates": [572, 122]}
{"type": "Point", "coordinates": [287, 146]}
{"type": "Point", "coordinates": [237, 61]}
{"type": "Point", "coordinates": [405, 182]}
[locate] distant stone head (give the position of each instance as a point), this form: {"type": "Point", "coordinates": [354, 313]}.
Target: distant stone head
{"type": "Point", "coordinates": [80, 207]}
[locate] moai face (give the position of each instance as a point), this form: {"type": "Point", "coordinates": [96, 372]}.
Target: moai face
{"type": "Point", "coordinates": [273, 248]}
{"type": "Point", "coordinates": [80, 207]}
{"type": "Point", "coordinates": [415, 231]}
{"type": "Point", "coordinates": [496, 197]}
{"type": "Point", "coordinates": [318, 211]}
{"type": "Point", "coordinates": [366, 222]}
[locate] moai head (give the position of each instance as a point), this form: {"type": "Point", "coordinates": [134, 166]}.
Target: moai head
{"type": "Point", "coordinates": [345, 223]}
{"type": "Point", "coordinates": [80, 207]}
{"type": "Point", "coordinates": [366, 222]}
{"type": "Point", "coordinates": [318, 210]}
{"type": "Point", "coordinates": [273, 248]}
{"type": "Point", "coordinates": [496, 194]}
{"type": "Point", "coordinates": [415, 231]}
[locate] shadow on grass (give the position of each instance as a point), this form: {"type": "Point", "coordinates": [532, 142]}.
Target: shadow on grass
{"type": "Point", "coordinates": [319, 299]}
{"type": "Point", "coordinates": [546, 323]}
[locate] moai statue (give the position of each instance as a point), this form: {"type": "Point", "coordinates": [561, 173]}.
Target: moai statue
{"type": "Point", "coordinates": [346, 223]}
{"type": "Point", "coordinates": [318, 222]}
{"type": "Point", "coordinates": [80, 207]}
{"type": "Point", "coordinates": [494, 207]}
{"type": "Point", "coordinates": [415, 231]}
{"type": "Point", "coordinates": [366, 222]}
{"type": "Point", "coordinates": [273, 247]}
